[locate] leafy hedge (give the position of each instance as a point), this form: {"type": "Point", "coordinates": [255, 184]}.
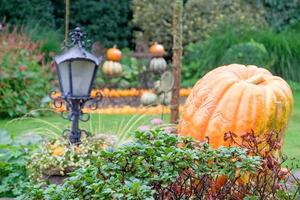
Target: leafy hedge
{"type": "Point", "coordinates": [13, 174]}
{"type": "Point", "coordinates": [280, 55]}
{"type": "Point", "coordinates": [24, 78]}
{"type": "Point", "coordinates": [249, 53]}
{"type": "Point", "coordinates": [154, 164]}
{"type": "Point", "coordinates": [21, 12]}
{"type": "Point", "coordinates": [160, 165]}
{"type": "Point", "coordinates": [152, 167]}
{"type": "Point", "coordinates": [110, 22]}
{"type": "Point", "coordinates": [105, 21]}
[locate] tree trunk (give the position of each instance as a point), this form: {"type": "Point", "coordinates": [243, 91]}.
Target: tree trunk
{"type": "Point", "coordinates": [177, 57]}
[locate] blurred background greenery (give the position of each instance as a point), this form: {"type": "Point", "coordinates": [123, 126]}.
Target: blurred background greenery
{"type": "Point", "coordinates": [215, 32]}
{"type": "Point", "coordinates": [265, 33]}
{"type": "Point", "coordinates": [261, 32]}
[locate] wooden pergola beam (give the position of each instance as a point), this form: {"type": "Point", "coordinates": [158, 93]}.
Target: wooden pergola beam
{"type": "Point", "coordinates": [177, 59]}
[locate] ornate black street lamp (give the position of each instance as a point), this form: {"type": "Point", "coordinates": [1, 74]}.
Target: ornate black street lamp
{"type": "Point", "coordinates": [76, 69]}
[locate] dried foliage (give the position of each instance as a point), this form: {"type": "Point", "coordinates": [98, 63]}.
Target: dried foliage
{"type": "Point", "coordinates": [270, 181]}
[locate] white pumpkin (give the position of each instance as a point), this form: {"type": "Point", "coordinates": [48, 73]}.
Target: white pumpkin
{"type": "Point", "coordinates": [112, 69]}
{"type": "Point", "coordinates": [158, 65]}
{"type": "Point", "coordinates": [165, 98]}
{"type": "Point", "coordinates": [156, 87]}
{"type": "Point", "coordinates": [148, 98]}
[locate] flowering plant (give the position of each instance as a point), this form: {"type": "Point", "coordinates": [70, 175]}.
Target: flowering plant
{"type": "Point", "coordinates": [59, 157]}
{"type": "Point", "coordinates": [23, 75]}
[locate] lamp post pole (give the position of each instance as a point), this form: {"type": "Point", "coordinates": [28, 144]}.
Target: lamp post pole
{"type": "Point", "coordinates": [75, 133]}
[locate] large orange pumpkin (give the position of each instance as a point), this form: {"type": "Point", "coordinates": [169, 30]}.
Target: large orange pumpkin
{"type": "Point", "coordinates": [239, 99]}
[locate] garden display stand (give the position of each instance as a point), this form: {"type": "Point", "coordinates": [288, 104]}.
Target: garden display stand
{"type": "Point", "coordinates": [166, 85]}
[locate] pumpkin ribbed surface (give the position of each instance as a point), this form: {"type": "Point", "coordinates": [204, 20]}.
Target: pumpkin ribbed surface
{"type": "Point", "coordinates": [239, 99]}
{"type": "Point", "coordinates": [148, 98]}
{"type": "Point", "coordinates": [157, 50]}
{"type": "Point", "coordinates": [114, 54]}
{"type": "Point", "coordinates": [112, 69]}
{"type": "Point", "coordinates": [158, 65]}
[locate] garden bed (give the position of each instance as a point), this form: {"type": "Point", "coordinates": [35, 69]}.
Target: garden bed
{"type": "Point", "coordinates": [127, 102]}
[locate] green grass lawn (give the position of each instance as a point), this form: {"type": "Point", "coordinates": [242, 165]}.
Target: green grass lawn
{"type": "Point", "coordinates": [292, 139]}
{"type": "Point", "coordinates": [54, 123]}
{"type": "Point", "coordinates": [121, 124]}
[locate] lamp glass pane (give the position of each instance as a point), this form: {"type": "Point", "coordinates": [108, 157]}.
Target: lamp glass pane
{"type": "Point", "coordinates": [82, 75]}
{"type": "Point", "coordinates": [64, 77]}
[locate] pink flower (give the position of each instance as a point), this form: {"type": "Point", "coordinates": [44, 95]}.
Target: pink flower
{"type": "Point", "coordinates": [22, 68]}
{"type": "Point", "coordinates": [157, 121]}
{"type": "Point", "coordinates": [169, 129]}
{"type": "Point", "coordinates": [143, 128]}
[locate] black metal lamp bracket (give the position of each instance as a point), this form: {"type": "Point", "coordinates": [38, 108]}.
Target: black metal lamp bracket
{"type": "Point", "coordinates": [73, 111]}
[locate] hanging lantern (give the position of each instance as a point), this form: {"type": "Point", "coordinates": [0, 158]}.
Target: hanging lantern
{"type": "Point", "coordinates": [112, 66]}
{"type": "Point", "coordinates": [157, 64]}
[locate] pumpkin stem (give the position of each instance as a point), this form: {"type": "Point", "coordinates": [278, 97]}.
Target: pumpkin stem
{"type": "Point", "coordinates": [115, 46]}
{"type": "Point", "coordinates": [257, 79]}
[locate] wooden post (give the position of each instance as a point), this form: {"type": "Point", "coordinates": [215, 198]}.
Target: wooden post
{"type": "Point", "coordinates": [67, 19]}
{"type": "Point", "coordinates": [177, 57]}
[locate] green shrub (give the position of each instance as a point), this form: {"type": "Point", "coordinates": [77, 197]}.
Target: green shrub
{"type": "Point", "coordinates": [24, 79]}
{"type": "Point", "coordinates": [250, 53]}
{"type": "Point", "coordinates": [201, 57]}
{"type": "Point", "coordinates": [295, 86]}
{"type": "Point", "coordinates": [50, 40]}
{"type": "Point", "coordinates": [13, 160]}
{"type": "Point", "coordinates": [154, 165]}
{"type": "Point", "coordinates": [283, 49]}
{"type": "Point", "coordinates": [132, 69]}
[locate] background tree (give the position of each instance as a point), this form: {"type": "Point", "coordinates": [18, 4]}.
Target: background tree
{"type": "Point", "coordinates": [23, 12]}
{"type": "Point", "coordinates": [105, 21]}
{"type": "Point", "coordinates": [200, 18]}
{"type": "Point", "coordinates": [279, 13]}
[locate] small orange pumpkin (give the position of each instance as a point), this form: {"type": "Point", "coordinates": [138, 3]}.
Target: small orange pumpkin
{"type": "Point", "coordinates": [157, 50]}
{"type": "Point", "coordinates": [114, 54]}
{"type": "Point", "coordinates": [239, 99]}
{"type": "Point", "coordinates": [58, 151]}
